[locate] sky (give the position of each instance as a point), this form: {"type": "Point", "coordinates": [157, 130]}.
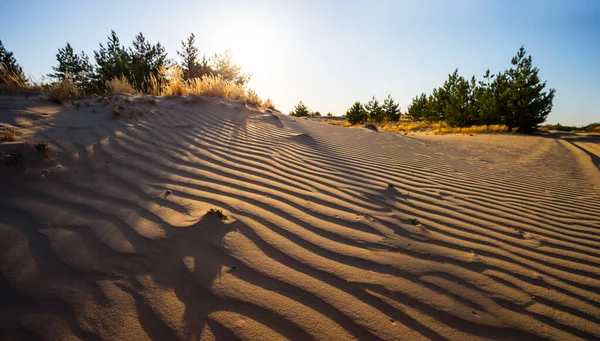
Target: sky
{"type": "Point", "coordinates": [331, 53]}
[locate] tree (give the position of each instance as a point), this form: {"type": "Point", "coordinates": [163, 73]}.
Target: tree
{"type": "Point", "coordinates": [73, 67]}
{"type": "Point", "coordinates": [356, 114]}
{"type": "Point", "coordinates": [190, 65]}
{"type": "Point", "coordinates": [528, 104]}
{"type": "Point", "coordinates": [458, 107]}
{"type": "Point", "coordinates": [374, 110]}
{"type": "Point", "coordinates": [417, 110]}
{"type": "Point", "coordinates": [146, 59]}
{"type": "Point", "coordinates": [391, 110]}
{"type": "Point", "coordinates": [329, 114]}
{"type": "Point", "coordinates": [10, 71]}
{"type": "Point", "coordinates": [300, 110]}
{"type": "Point", "coordinates": [224, 67]}
{"type": "Point", "coordinates": [315, 114]}
{"type": "Point", "coordinates": [113, 61]}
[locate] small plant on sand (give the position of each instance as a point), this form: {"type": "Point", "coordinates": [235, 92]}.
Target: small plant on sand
{"type": "Point", "coordinates": [370, 127]}
{"type": "Point", "coordinates": [62, 91]}
{"type": "Point", "coordinates": [218, 213]}
{"type": "Point", "coordinates": [9, 134]}
{"type": "Point", "coordinates": [267, 103]}
{"type": "Point", "coordinates": [252, 98]}
{"type": "Point", "coordinates": [120, 85]}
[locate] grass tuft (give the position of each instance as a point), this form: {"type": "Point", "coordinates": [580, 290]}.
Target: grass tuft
{"type": "Point", "coordinates": [218, 213]}
{"type": "Point", "coordinates": [60, 92]}
{"type": "Point", "coordinates": [120, 85]}
{"type": "Point", "coordinates": [9, 134]}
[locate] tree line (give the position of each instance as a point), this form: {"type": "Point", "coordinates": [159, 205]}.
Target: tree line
{"type": "Point", "coordinates": [136, 64]}
{"type": "Point", "coordinates": [514, 97]}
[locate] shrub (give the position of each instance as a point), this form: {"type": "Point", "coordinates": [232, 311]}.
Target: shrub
{"type": "Point", "coordinates": [120, 85]}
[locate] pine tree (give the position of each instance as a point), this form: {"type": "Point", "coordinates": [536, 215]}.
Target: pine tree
{"type": "Point", "coordinates": [527, 102]}
{"type": "Point", "coordinates": [417, 110]}
{"type": "Point", "coordinates": [146, 59]}
{"type": "Point", "coordinates": [356, 114]}
{"type": "Point", "coordinates": [374, 110]}
{"type": "Point", "coordinates": [77, 69]}
{"type": "Point", "coordinates": [189, 64]}
{"type": "Point", "coordinates": [113, 61]}
{"type": "Point", "coordinates": [459, 108]}
{"type": "Point", "coordinates": [10, 71]}
{"type": "Point", "coordinates": [223, 66]}
{"type": "Point", "coordinates": [300, 110]}
{"type": "Point", "coordinates": [391, 110]}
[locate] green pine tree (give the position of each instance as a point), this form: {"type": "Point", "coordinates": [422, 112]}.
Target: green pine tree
{"type": "Point", "coordinates": [10, 71]}
{"type": "Point", "coordinates": [374, 110]}
{"type": "Point", "coordinates": [146, 60]}
{"type": "Point", "coordinates": [112, 61]}
{"type": "Point", "coordinates": [527, 102]}
{"type": "Point", "coordinates": [76, 68]}
{"type": "Point", "coordinates": [356, 114]}
{"type": "Point", "coordinates": [300, 110]}
{"type": "Point", "coordinates": [418, 108]}
{"type": "Point", "coordinates": [391, 110]}
{"type": "Point", "coordinates": [190, 65]}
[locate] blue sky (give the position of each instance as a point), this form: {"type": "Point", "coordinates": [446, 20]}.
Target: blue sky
{"type": "Point", "coordinates": [332, 53]}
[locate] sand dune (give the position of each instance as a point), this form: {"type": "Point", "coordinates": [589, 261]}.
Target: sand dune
{"type": "Point", "coordinates": [331, 232]}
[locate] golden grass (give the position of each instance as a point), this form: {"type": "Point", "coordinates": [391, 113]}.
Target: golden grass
{"type": "Point", "coordinates": [339, 123]}
{"type": "Point", "coordinates": [60, 92]}
{"type": "Point", "coordinates": [483, 129]}
{"type": "Point", "coordinates": [267, 103]}
{"type": "Point", "coordinates": [170, 82]}
{"type": "Point", "coordinates": [9, 134]}
{"type": "Point", "coordinates": [438, 128]}
{"type": "Point", "coordinates": [120, 85]}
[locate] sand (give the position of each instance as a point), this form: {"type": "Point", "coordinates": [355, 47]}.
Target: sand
{"type": "Point", "coordinates": [332, 233]}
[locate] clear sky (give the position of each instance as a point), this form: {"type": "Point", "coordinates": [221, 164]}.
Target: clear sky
{"type": "Point", "coordinates": [332, 53]}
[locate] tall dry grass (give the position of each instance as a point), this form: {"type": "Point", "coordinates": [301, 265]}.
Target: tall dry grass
{"type": "Point", "coordinates": [170, 82]}
{"type": "Point", "coordinates": [120, 85]}
{"type": "Point", "coordinates": [60, 92]}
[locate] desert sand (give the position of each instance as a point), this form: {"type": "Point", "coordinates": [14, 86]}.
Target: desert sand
{"type": "Point", "coordinates": [331, 233]}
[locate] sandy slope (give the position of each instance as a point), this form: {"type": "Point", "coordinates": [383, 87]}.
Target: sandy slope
{"type": "Point", "coordinates": [107, 236]}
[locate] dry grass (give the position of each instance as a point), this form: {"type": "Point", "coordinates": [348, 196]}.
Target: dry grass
{"type": "Point", "coordinates": [9, 134]}
{"type": "Point", "coordinates": [438, 128]}
{"type": "Point", "coordinates": [218, 213]}
{"type": "Point", "coordinates": [339, 123]}
{"type": "Point", "coordinates": [267, 103]}
{"type": "Point", "coordinates": [60, 92]}
{"type": "Point", "coordinates": [170, 82]}
{"type": "Point", "coordinates": [120, 85]}
{"type": "Point", "coordinates": [495, 128]}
